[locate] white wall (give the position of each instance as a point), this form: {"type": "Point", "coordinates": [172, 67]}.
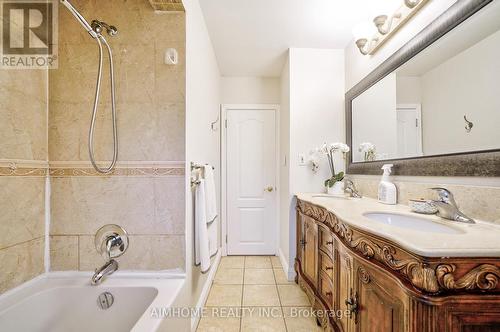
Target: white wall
{"type": "Point", "coordinates": [202, 144]}
{"type": "Point", "coordinates": [316, 115]}
{"type": "Point", "coordinates": [375, 111]}
{"type": "Point", "coordinates": [286, 210]}
{"type": "Point", "coordinates": [408, 90]}
{"type": "Point", "coordinates": [250, 90]}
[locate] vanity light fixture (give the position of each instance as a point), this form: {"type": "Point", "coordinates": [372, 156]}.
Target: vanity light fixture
{"type": "Point", "coordinates": [384, 24]}
{"type": "Point", "coordinates": [364, 45]}
{"type": "Point", "coordinates": [387, 25]}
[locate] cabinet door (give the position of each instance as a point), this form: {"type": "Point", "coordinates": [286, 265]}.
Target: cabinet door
{"type": "Point", "coordinates": [343, 287]}
{"type": "Point", "coordinates": [381, 303]}
{"type": "Point", "coordinates": [310, 258]}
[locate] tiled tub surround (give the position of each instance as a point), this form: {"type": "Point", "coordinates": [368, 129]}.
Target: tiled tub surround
{"type": "Point", "coordinates": [22, 225]}
{"type": "Point", "coordinates": [23, 167]}
{"type": "Point", "coordinates": [145, 194]}
{"type": "Point", "coordinates": [23, 115]}
{"type": "Point", "coordinates": [147, 201]}
{"type": "Point", "coordinates": [480, 202]}
{"type": "Point", "coordinates": [150, 95]}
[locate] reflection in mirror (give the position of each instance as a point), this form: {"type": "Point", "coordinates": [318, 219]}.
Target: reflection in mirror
{"type": "Point", "coordinates": [444, 100]}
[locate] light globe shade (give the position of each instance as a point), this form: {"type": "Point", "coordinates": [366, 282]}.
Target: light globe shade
{"type": "Point", "coordinates": [364, 30]}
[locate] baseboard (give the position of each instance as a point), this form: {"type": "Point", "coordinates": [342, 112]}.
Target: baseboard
{"type": "Point", "coordinates": [206, 290]}
{"type": "Point", "coordinates": [289, 271]}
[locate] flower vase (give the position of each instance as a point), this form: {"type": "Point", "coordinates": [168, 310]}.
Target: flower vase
{"type": "Point", "coordinates": [337, 189]}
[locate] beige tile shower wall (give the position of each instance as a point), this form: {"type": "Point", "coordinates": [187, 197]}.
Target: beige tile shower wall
{"type": "Point", "coordinates": [23, 154]}
{"type": "Point", "coordinates": [22, 228]}
{"type": "Point", "coordinates": [480, 202]}
{"type": "Point", "coordinates": [150, 97]}
{"type": "Point", "coordinates": [23, 114]}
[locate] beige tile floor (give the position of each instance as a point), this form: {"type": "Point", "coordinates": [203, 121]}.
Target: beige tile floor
{"type": "Point", "coordinates": [251, 293]}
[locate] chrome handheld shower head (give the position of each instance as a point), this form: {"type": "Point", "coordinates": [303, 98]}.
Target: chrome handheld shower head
{"type": "Point", "coordinates": [95, 30]}
{"type": "Point", "coordinates": [98, 26]}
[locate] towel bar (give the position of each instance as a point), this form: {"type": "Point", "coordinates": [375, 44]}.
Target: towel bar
{"type": "Point", "coordinates": [194, 166]}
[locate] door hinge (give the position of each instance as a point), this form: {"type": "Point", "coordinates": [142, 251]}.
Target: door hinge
{"type": "Point", "coordinates": [226, 238]}
{"type": "Point", "coordinates": [225, 123]}
{"type": "Point", "coordinates": [416, 123]}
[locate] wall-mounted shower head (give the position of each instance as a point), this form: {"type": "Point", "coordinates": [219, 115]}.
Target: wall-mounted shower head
{"type": "Point", "coordinates": [94, 29]}
{"type": "Point", "coordinates": [98, 26]}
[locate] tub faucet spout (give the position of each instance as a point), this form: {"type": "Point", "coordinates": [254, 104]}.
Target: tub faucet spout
{"type": "Point", "coordinates": [107, 269]}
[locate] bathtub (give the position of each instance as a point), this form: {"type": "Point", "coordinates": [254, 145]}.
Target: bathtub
{"type": "Point", "coordinates": [67, 302]}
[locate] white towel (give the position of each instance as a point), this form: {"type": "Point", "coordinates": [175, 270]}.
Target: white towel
{"type": "Point", "coordinates": [202, 246]}
{"type": "Point", "coordinates": [210, 194]}
{"type": "Point", "coordinates": [213, 232]}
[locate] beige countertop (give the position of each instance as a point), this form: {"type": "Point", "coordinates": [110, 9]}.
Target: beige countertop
{"type": "Point", "coordinates": [470, 240]}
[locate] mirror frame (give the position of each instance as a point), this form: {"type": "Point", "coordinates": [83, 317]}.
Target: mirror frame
{"type": "Point", "coordinates": [476, 163]}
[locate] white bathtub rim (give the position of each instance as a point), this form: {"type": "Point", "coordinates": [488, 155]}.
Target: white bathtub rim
{"type": "Point", "coordinates": [167, 292]}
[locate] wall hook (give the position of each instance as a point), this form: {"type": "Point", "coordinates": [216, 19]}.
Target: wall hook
{"type": "Point", "coordinates": [468, 124]}
{"type": "Point", "coordinates": [212, 125]}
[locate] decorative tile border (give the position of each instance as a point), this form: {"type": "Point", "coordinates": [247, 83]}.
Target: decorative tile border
{"type": "Point", "coordinates": [35, 172]}
{"type": "Point", "coordinates": [151, 171]}
{"type": "Point", "coordinates": [167, 5]}
{"type": "Point", "coordinates": [23, 168]}
{"type": "Point", "coordinates": [30, 168]}
{"type": "Point", "coordinates": [148, 169]}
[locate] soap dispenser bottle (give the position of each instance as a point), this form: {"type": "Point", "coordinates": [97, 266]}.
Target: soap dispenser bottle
{"type": "Point", "coordinates": [387, 193]}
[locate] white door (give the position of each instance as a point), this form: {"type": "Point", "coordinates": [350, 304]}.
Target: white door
{"type": "Point", "coordinates": [251, 182]}
{"type": "Point", "coordinates": [409, 141]}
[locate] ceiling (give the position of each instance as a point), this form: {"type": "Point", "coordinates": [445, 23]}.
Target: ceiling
{"type": "Point", "coordinates": [251, 37]}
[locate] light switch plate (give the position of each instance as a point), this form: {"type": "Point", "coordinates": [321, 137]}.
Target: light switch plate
{"type": "Point", "coordinates": [302, 160]}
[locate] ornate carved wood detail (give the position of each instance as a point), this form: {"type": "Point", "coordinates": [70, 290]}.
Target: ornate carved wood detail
{"type": "Point", "coordinates": [363, 275]}
{"type": "Point", "coordinates": [420, 276]}
{"type": "Point", "coordinates": [483, 277]}
{"type": "Point", "coordinates": [429, 278]}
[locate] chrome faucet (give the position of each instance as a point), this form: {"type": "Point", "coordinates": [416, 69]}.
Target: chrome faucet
{"type": "Point", "coordinates": [111, 241]}
{"type": "Point", "coordinates": [351, 189]}
{"type": "Point", "coordinates": [107, 269]}
{"type": "Point", "coordinates": [448, 208]}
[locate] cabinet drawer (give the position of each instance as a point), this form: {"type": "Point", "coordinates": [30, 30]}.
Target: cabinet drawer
{"type": "Point", "coordinates": [326, 289]}
{"type": "Point", "coordinates": [326, 265]}
{"type": "Point", "coordinates": [326, 240]}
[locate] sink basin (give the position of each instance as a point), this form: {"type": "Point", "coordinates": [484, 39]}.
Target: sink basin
{"type": "Point", "coordinates": [329, 196]}
{"type": "Point", "coordinates": [411, 222]}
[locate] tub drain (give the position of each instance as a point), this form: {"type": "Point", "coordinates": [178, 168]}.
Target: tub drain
{"type": "Point", "coordinates": [105, 300]}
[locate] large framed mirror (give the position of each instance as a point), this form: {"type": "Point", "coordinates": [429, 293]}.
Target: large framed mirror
{"type": "Point", "coordinates": [433, 107]}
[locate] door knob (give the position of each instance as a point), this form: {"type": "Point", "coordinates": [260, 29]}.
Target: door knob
{"type": "Point", "coordinates": [269, 189]}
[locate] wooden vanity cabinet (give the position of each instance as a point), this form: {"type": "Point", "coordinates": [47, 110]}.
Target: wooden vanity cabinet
{"type": "Point", "coordinates": [307, 246]}
{"type": "Point", "coordinates": [381, 303]}
{"type": "Point", "coordinates": [359, 282]}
